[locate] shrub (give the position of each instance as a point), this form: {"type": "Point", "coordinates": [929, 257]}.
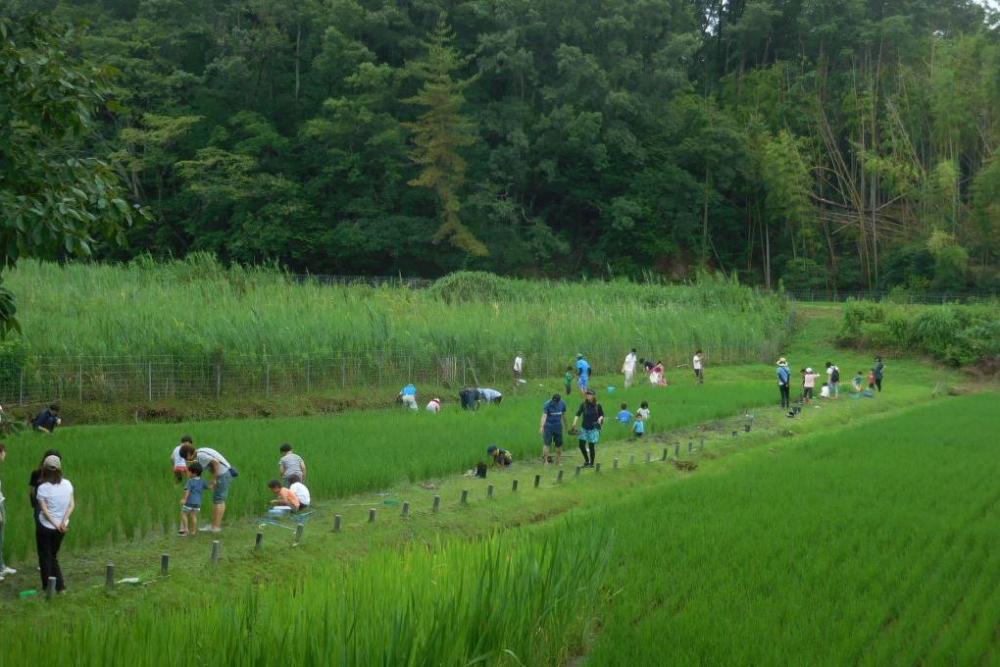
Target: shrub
{"type": "Point", "coordinates": [472, 286]}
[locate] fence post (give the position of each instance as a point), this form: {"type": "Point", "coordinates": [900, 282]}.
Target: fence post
{"type": "Point", "coordinates": [437, 504]}
{"type": "Point", "coordinates": [465, 497]}
{"type": "Point", "coordinates": [267, 379]}
{"type": "Point", "coordinates": [50, 588]}
{"type": "Point", "coordinates": [79, 379]}
{"type": "Point", "coordinates": [258, 541]}
{"type": "Point", "coordinates": [299, 530]}
{"type": "Point", "coordinates": [371, 515]}
{"type": "Point", "coordinates": [406, 509]}
{"type": "Point", "coordinates": [109, 576]}
{"type": "Point", "coordinates": [218, 379]}
{"type": "Point", "coordinates": [20, 399]}
{"type": "Point", "coordinates": [513, 486]}
{"type": "Point", "coordinates": [149, 372]}
{"type": "Point", "coordinates": [336, 523]}
{"type": "Point", "coordinates": [308, 376]}
{"type": "Point", "coordinates": [216, 550]}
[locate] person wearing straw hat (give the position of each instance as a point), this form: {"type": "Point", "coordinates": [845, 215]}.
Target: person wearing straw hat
{"type": "Point", "coordinates": [55, 506]}
{"type": "Point", "coordinates": [784, 378]}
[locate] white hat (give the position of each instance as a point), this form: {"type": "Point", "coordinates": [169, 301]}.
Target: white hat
{"type": "Point", "coordinates": [52, 462]}
{"type": "Point", "coordinates": [809, 370]}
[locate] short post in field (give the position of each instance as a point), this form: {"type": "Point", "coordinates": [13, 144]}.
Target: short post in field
{"type": "Point", "coordinates": [109, 576]}
{"type": "Point", "coordinates": [538, 480]}
{"type": "Point", "coordinates": [559, 477]}
{"type": "Point", "coordinates": [258, 541]}
{"type": "Point", "coordinates": [615, 466]}
{"type": "Point", "coordinates": [677, 450]}
{"type": "Point", "coordinates": [578, 468]}
{"type": "Point", "coordinates": [336, 523]}
{"type": "Point", "coordinates": [649, 457]}
{"type": "Point", "coordinates": [489, 491]}
{"type": "Point", "coordinates": [371, 515]}
{"type": "Point", "coordinates": [437, 504]}
{"type": "Point", "coordinates": [216, 550]}
{"type": "Point", "coordinates": [664, 457]}
{"type": "Point", "coordinates": [631, 459]}
{"type": "Point", "coordinates": [597, 467]}
{"type": "Point", "coordinates": [299, 529]}
{"type": "Point", "coordinates": [734, 434]}
{"type": "Point", "coordinates": [465, 496]}
{"type": "Point", "coordinates": [165, 564]}
{"type": "Point", "coordinates": [406, 509]}
{"type": "Point", "coordinates": [701, 446]}
{"type": "Point", "coordinates": [50, 588]}
{"type": "Point", "coordinates": [513, 486]}
{"type": "Point", "coordinates": [689, 446]}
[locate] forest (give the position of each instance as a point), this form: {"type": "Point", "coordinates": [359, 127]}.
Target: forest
{"type": "Point", "coordinates": [844, 144]}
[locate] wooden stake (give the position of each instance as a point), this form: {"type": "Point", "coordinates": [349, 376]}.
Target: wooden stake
{"type": "Point", "coordinates": [513, 486]}
{"type": "Point", "coordinates": [50, 588]}
{"type": "Point", "coordinates": [489, 491]}
{"type": "Point", "coordinates": [165, 564]}
{"type": "Point", "coordinates": [597, 467]}
{"type": "Point", "coordinates": [336, 523]}
{"type": "Point", "coordinates": [664, 457]}
{"type": "Point", "coordinates": [649, 457]}
{"type": "Point", "coordinates": [437, 504]}
{"type": "Point", "coordinates": [299, 529]}
{"type": "Point", "coordinates": [406, 509]}
{"type": "Point", "coordinates": [109, 576]}
{"type": "Point", "coordinates": [216, 550]}
{"type": "Point", "coordinates": [559, 477]}
{"type": "Point", "coordinates": [371, 515]}
{"type": "Point", "coordinates": [258, 542]}
{"type": "Point", "coordinates": [615, 466]}
{"type": "Point", "coordinates": [538, 480]}
{"type": "Point", "coordinates": [465, 496]}
{"type": "Point", "coordinates": [578, 471]}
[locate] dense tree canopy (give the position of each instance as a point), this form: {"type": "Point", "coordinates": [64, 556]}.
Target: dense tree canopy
{"type": "Point", "coordinates": [838, 143]}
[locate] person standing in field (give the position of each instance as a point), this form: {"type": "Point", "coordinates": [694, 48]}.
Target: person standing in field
{"type": "Point", "coordinates": [191, 500]}
{"type": "Point", "coordinates": [593, 418]}
{"type": "Point", "coordinates": [568, 380]}
{"type": "Point", "coordinates": [180, 465]}
{"type": "Point", "coordinates": [698, 364]}
{"type": "Point", "coordinates": [36, 478]}
{"type": "Point", "coordinates": [222, 476]}
{"type": "Point", "coordinates": [641, 417]}
{"type": "Point", "coordinates": [290, 464]}
{"type": "Point", "coordinates": [518, 369]}
{"type": "Point", "coordinates": [4, 570]}
{"type": "Point", "coordinates": [879, 370]}
{"type": "Point", "coordinates": [628, 367]}
{"type": "Point", "coordinates": [55, 506]}
{"type": "Point", "coordinates": [784, 380]}
{"type": "Point", "coordinates": [809, 378]}
{"type": "Point", "coordinates": [582, 373]}
{"type": "Point", "coordinates": [833, 380]}
{"type": "Point", "coordinates": [551, 428]}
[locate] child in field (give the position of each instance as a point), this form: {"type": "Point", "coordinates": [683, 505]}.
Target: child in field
{"type": "Point", "coordinates": [434, 405]}
{"type": "Point", "coordinates": [501, 457]}
{"type": "Point", "coordinates": [809, 378]}
{"type": "Point", "coordinates": [301, 492]}
{"type": "Point", "coordinates": [568, 379]}
{"type": "Point", "coordinates": [290, 464]}
{"type": "Point", "coordinates": [179, 463]}
{"type": "Point", "coordinates": [624, 416]}
{"type": "Point", "coordinates": [858, 381]}
{"type": "Point", "coordinates": [191, 500]}
{"type": "Point", "coordinates": [285, 499]}
{"type": "Point", "coordinates": [641, 415]}
{"type": "Point", "coordinates": [871, 379]}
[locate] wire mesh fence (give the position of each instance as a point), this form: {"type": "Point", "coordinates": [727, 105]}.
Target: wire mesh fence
{"type": "Point", "coordinates": [158, 378]}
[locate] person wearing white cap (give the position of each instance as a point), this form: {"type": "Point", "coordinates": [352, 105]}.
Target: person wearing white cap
{"type": "Point", "coordinates": [434, 405]}
{"type": "Point", "coordinates": [808, 384]}
{"type": "Point", "coordinates": [784, 378]}
{"type": "Point", "coordinates": [55, 505]}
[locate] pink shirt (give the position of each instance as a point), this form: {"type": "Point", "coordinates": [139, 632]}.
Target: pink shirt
{"type": "Point", "coordinates": [810, 380]}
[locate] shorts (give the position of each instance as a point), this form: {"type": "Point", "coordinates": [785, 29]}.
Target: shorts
{"type": "Point", "coordinates": [590, 435]}
{"type": "Point", "coordinates": [221, 491]}
{"type": "Point", "coordinates": [552, 435]}
{"type": "Point", "coordinates": [191, 509]}
{"type": "Point", "coordinates": [582, 382]}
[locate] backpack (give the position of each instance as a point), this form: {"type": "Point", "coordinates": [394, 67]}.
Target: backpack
{"type": "Point", "coordinates": [835, 375]}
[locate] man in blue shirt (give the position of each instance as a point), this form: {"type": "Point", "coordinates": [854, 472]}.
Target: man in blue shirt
{"type": "Point", "coordinates": [583, 373]}
{"type": "Point", "coordinates": [408, 396]}
{"type": "Point", "coordinates": [784, 377]}
{"type": "Point", "coordinates": [551, 427]}
{"type": "Point", "coordinates": [47, 419]}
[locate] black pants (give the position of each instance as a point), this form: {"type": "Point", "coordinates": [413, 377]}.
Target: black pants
{"type": "Point", "coordinates": [786, 402]}
{"type": "Point", "coordinates": [878, 383]}
{"type": "Point", "coordinates": [592, 458]}
{"type": "Point", "coordinates": [48, 542]}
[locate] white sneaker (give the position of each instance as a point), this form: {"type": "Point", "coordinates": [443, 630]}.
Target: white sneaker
{"type": "Point", "coordinates": [8, 570]}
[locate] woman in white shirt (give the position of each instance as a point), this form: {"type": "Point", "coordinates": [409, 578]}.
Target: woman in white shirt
{"type": "Point", "coordinates": [55, 505]}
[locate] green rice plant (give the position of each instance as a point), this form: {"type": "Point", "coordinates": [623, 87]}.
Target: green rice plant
{"type": "Point", "coordinates": [125, 489]}
{"type": "Point", "coordinates": [508, 600]}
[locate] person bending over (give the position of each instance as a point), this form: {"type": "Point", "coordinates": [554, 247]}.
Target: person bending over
{"type": "Point", "coordinates": [501, 457]}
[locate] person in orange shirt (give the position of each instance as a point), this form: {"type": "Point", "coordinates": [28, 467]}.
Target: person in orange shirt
{"type": "Point", "coordinates": [283, 497]}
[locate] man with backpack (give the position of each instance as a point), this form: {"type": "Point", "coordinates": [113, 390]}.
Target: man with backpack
{"type": "Point", "coordinates": [833, 380]}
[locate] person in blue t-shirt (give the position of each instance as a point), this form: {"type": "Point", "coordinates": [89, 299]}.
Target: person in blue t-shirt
{"type": "Point", "coordinates": [624, 416]}
{"type": "Point", "coordinates": [583, 373]}
{"type": "Point", "coordinates": [408, 396]}
{"type": "Point", "coordinates": [194, 488]}
{"type": "Point", "coordinates": [551, 427]}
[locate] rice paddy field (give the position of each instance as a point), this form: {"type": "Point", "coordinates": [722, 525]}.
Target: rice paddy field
{"type": "Point", "coordinates": [861, 531]}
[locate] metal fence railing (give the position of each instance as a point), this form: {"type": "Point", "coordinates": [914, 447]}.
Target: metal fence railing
{"type": "Point", "coordinates": [928, 298]}
{"type": "Point", "coordinates": [116, 379]}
